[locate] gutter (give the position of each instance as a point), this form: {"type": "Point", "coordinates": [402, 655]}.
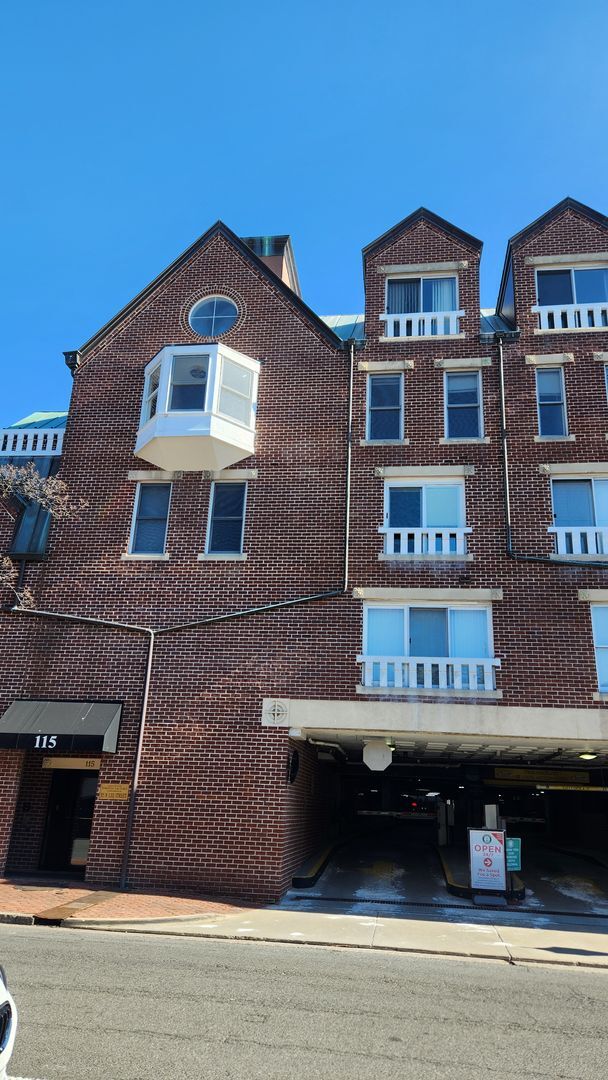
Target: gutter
{"type": "Point", "coordinates": [153, 634]}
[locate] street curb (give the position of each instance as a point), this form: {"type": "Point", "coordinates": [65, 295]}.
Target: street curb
{"type": "Point", "coordinates": [510, 959]}
{"type": "Point", "coordinates": [110, 924]}
{"type": "Point", "coordinates": [16, 917]}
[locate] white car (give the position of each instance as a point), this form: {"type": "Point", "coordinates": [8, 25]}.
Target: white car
{"type": "Point", "coordinates": [8, 1025]}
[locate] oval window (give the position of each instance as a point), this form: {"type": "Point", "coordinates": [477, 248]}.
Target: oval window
{"type": "Point", "coordinates": [213, 316]}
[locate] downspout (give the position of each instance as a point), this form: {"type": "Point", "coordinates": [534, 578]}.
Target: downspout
{"type": "Point", "coordinates": [520, 556]}
{"type": "Point", "coordinates": [153, 634]}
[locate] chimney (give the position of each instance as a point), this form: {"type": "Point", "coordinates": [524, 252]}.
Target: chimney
{"type": "Point", "coordinates": [277, 253]}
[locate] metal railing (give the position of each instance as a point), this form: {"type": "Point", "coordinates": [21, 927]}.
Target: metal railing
{"type": "Point", "coordinates": [580, 539]}
{"type": "Point", "coordinates": [29, 441]}
{"type": "Point", "coordinates": [428, 673]}
{"type": "Point", "coordinates": [572, 316]}
{"type": "Point", "coordinates": [428, 541]}
{"type": "Point", "coordinates": [422, 323]}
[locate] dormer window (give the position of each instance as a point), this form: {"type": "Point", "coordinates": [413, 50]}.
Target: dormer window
{"type": "Point", "coordinates": [198, 409]}
{"type": "Point", "coordinates": [421, 306]}
{"type": "Point", "coordinates": [572, 299]}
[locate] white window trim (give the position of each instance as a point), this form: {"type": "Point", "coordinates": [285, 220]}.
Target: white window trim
{"type": "Point", "coordinates": [424, 483]}
{"type": "Point", "coordinates": [465, 438]}
{"type": "Point", "coordinates": [142, 555]}
{"type": "Point", "coordinates": [452, 606]}
{"type": "Point", "coordinates": [216, 354]}
{"type": "Point", "coordinates": [423, 276]}
{"type": "Point", "coordinates": [566, 434]}
{"type": "Point", "coordinates": [368, 414]}
{"type": "Point", "coordinates": [571, 266]}
{"type": "Point", "coordinates": [579, 477]}
{"type": "Point", "coordinates": [224, 556]}
{"type": "Point", "coordinates": [602, 692]}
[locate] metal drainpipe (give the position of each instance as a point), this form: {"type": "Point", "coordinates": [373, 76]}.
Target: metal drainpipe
{"type": "Point", "coordinates": [520, 556]}
{"type": "Point", "coordinates": [153, 634]}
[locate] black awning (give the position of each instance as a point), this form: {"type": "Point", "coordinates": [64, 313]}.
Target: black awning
{"type": "Point", "coordinates": [60, 726]}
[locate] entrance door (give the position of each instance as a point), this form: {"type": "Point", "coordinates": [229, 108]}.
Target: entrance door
{"type": "Point", "coordinates": [69, 819]}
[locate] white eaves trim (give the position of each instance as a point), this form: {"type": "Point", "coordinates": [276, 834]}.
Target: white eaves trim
{"type": "Point", "coordinates": [423, 268]}
{"type": "Point", "coordinates": [575, 468]}
{"type": "Point", "coordinates": [424, 470]}
{"type": "Point", "coordinates": [458, 364]}
{"type": "Point", "coordinates": [385, 365]}
{"type": "Point", "coordinates": [465, 596]}
{"type": "Point", "coordinates": [550, 359]}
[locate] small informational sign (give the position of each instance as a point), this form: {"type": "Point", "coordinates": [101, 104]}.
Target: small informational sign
{"type": "Point", "coordinates": [513, 849]}
{"type": "Point", "coordinates": [113, 792]}
{"type": "Point", "coordinates": [534, 776]}
{"type": "Point", "coordinates": [487, 859]}
{"type": "Point", "coordinates": [71, 763]}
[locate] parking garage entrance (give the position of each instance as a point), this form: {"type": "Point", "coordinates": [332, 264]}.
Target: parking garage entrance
{"type": "Point", "coordinates": [403, 831]}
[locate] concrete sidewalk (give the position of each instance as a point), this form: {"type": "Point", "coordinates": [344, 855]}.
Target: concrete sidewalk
{"type": "Point", "coordinates": [507, 939]}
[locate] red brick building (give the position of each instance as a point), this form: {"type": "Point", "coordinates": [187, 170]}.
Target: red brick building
{"type": "Point", "coordinates": [318, 575]}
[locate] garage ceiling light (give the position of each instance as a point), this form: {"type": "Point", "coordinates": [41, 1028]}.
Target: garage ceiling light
{"type": "Point", "coordinates": [587, 757]}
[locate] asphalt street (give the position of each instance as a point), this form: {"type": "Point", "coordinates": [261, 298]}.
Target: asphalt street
{"type": "Point", "coordinates": [97, 1006]}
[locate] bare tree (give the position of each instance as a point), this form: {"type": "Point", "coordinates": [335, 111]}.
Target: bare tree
{"type": "Point", "coordinates": [25, 483]}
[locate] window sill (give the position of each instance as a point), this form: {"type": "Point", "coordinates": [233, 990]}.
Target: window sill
{"type": "Point", "coordinates": [420, 337]}
{"type": "Point", "coordinates": [131, 557]}
{"type": "Point", "coordinates": [554, 438]}
{"type": "Point", "coordinates": [419, 691]}
{"type": "Point", "coordinates": [232, 557]}
{"type": "Point", "coordinates": [429, 557]}
{"type": "Point", "coordinates": [386, 442]}
{"type": "Point", "coordinates": [462, 442]}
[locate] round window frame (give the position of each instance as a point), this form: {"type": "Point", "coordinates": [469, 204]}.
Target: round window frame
{"type": "Point", "coordinates": [207, 299]}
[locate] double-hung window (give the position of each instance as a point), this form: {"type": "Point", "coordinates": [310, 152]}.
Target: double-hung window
{"type": "Point", "coordinates": [385, 408]}
{"type": "Point", "coordinates": [226, 519]}
{"type": "Point", "coordinates": [551, 399]}
{"type": "Point", "coordinates": [463, 410]}
{"type": "Point", "coordinates": [188, 385]}
{"type": "Point", "coordinates": [571, 299]}
{"type": "Point", "coordinates": [599, 620]}
{"type": "Point", "coordinates": [421, 306]}
{"type": "Point", "coordinates": [580, 515]}
{"type": "Point", "coordinates": [431, 647]}
{"type": "Point", "coordinates": [424, 519]}
{"type": "Point", "coordinates": [149, 529]}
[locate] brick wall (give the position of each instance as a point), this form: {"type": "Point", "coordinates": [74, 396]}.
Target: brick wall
{"type": "Point", "coordinates": [215, 811]}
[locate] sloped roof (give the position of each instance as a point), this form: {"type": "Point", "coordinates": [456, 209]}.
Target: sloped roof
{"type": "Point", "coordinates": [422, 214]}
{"type": "Point", "coordinates": [42, 420]}
{"type": "Point", "coordinates": [347, 327]}
{"type": "Point", "coordinates": [219, 229]}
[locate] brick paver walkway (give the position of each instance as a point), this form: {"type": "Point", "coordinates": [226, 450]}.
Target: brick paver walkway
{"type": "Point", "coordinates": [26, 897]}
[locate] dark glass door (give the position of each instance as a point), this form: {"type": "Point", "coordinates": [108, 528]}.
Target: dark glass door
{"type": "Point", "coordinates": [69, 820]}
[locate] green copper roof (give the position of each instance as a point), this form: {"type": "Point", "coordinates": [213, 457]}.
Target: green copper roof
{"type": "Point", "coordinates": [42, 420]}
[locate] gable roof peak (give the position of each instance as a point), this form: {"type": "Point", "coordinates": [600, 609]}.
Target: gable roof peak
{"type": "Point", "coordinates": [554, 212]}
{"type": "Point", "coordinates": [422, 214]}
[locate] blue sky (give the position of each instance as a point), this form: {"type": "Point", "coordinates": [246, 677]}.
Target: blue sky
{"type": "Point", "coordinates": [128, 128]}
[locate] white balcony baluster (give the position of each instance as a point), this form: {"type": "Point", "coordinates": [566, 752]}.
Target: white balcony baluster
{"type": "Point", "coordinates": [422, 324]}
{"type": "Point", "coordinates": [580, 540]}
{"type": "Point", "coordinates": [428, 673]}
{"type": "Point", "coordinates": [27, 442]}
{"type": "Point", "coordinates": [427, 541]}
{"type": "Point", "coordinates": [572, 316]}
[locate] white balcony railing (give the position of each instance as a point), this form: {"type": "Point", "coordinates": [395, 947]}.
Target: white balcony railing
{"type": "Point", "coordinates": [30, 441]}
{"type": "Point", "coordinates": [428, 673]}
{"type": "Point", "coordinates": [580, 540]}
{"type": "Point", "coordinates": [427, 541]}
{"type": "Point", "coordinates": [572, 316]}
{"type": "Point", "coordinates": [422, 324]}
